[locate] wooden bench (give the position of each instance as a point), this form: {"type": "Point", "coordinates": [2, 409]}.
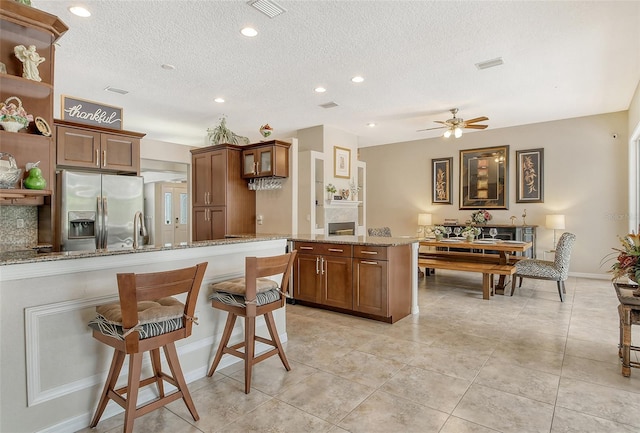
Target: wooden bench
{"type": "Point", "coordinates": [485, 264]}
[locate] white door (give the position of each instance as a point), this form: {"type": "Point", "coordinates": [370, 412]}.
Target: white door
{"type": "Point", "coordinates": [173, 213]}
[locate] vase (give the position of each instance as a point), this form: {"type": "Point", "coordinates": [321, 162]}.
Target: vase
{"type": "Point", "coordinates": [11, 126]}
{"type": "Point", "coordinates": [470, 238]}
{"type": "Point", "coordinates": [439, 237]}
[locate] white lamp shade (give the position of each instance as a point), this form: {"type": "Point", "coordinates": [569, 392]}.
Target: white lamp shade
{"type": "Point", "coordinates": [457, 132]}
{"type": "Point", "coordinates": [555, 222]}
{"type": "Point", "coordinates": [447, 133]}
{"type": "Point", "coordinates": [424, 219]}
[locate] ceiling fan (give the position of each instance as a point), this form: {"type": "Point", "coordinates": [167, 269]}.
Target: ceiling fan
{"type": "Point", "coordinates": [455, 124]}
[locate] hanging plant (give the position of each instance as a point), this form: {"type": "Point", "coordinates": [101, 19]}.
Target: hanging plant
{"type": "Point", "coordinates": [221, 134]}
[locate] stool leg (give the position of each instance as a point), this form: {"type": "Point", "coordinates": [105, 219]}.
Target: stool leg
{"type": "Point", "coordinates": [176, 371]}
{"type": "Point", "coordinates": [157, 370]}
{"type": "Point", "coordinates": [112, 378]}
{"type": "Point", "coordinates": [249, 350]}
{"type": "Point", "coordinates": [226, 334]}
{"type": "Point", "coordinates": [271, 326]}
{"type": "Point", "coordinates": [135, 368]}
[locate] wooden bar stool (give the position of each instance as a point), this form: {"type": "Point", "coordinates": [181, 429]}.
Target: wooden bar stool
{"type": "Point", "coordinates": [147, 318]}
{"type": "Point", "coordinates": [250, 297]}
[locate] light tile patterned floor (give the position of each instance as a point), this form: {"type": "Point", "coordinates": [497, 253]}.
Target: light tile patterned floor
{"type": "Point", "coordinates": [526, 363]}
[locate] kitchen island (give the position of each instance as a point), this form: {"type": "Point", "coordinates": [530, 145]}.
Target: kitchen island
{"type": "Point", "coordinates": [53, 369]}
{"type": "Point", "coordinates": [372, 277]}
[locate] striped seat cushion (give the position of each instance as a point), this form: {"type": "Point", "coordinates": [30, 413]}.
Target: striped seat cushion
{"type": "Point", "coordinates": [262, 298]}
{"type": "Point", "coordinates": [155, 318]}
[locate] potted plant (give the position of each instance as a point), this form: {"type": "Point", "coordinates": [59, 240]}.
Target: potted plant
{"type": "Point", "coordinates": [470, 232]}
{"type": "Point", "coordinates": [221, 134]}
{"type": "Point", "coordinates": [330, 191]}
{"type": "Point", "coordinates": [627, 262]}
{"type": "Point", "coordinates": [439, 232]}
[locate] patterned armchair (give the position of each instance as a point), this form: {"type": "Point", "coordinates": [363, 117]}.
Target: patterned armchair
{"type": "Point", "coordinates": [558, 270]}
{"type": "Point", "coordinates": [381, 232]}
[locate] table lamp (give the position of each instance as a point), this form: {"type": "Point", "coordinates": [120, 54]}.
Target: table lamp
{"type": "Point", "coordinates": [424, 220]}
{"type": "Point", "coordinates": [555, 222]}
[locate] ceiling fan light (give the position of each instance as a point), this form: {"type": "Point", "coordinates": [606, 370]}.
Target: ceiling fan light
{"type": "Point", "coordinates": [447, 133]}
{"type": "Point", "coordinates": [457, 132]}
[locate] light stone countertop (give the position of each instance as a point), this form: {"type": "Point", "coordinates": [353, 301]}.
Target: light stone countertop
{"type": "Point", "coordinates": [11, 256]}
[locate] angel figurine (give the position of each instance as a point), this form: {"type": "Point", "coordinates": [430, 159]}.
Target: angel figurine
{"type": "Point", "coordinates": [30, 60]}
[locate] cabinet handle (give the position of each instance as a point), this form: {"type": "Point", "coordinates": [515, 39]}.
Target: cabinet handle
{"type": "Point", "coordinates": [322, 266]}
{"type": "Point", "coordinates": [255, 167]}
{"type": "Point", "coordinates": [336, 250]}
{"type": "Point", "coordinates": [97, 158]}
{"type": "Point", "coordinates": [367, 262]}
{"type": "Point", "coordinates": [104, 158]}
{"type": "Point", "coordinates": [369, 252]}
{"type": "Point", "coordinates": [306, 248]}
{"type": "Point", "coordinates": [317, 270]}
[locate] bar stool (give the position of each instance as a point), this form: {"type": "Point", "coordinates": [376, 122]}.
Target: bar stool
{"type": "Point", "coordinates": [251, 296]}
{"type": "Point", "coordinates": [147, 318]}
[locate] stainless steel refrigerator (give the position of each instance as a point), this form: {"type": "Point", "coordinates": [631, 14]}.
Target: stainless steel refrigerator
{"type": "Point", "coordinates": [97, 210]}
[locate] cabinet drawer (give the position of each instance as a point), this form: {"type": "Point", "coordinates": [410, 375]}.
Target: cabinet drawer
{"type": "Point", "coordinates": [368, 252]}
{"type": "Point", "coordinates": [340, 250]}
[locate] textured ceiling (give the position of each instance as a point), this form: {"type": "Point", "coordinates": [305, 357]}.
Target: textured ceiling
{"type": "Point", "coordinates": [561, 60]}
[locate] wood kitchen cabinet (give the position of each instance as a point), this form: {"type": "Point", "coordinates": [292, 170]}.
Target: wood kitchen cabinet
{"type": "Point", "coordinates": [368, 281]}
{"type": "Point", "coordinates": [86, 146]}
{"type": "Point", "coordinates": [222, 202]}
{"type": "Point", "coordinates": [323, 274]}
{"type": "Point", "coordinates": [269, 158]}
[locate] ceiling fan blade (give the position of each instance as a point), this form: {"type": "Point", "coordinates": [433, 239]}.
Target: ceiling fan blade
{"type": "Point", "coordinates": [476, 126]}
{"type": "Point", "coordinates": [477, 119]}
{"type": "Point", "coordinates": [441, 121]}
{"type": "Point", "coordinates": [429, 129]}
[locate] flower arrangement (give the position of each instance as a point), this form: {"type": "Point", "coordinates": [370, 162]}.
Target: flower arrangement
{"type": "Point", "coordinates": [481, 216]}
{"type": "Point", "coordinates": [332, 189]}
{"type": "Point", "coordinates": [353, 187]}
{"type": "Point", "coordinates": [439, 230]}
{"type": "Point", "coordinates": [470, 231]}
{"type": "Point", "coordinates": [628, 260]}
{"type": "Point", "coordinates": [10, 112]}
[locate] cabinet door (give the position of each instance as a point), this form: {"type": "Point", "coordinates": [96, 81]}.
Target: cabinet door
{"type": "Point", "coordinates": [202, 230]}
{"type": "Point", "coordinates": [265, 161]}
{"type": "Point", "coordinates": [119, 153]}
{"type": "Point", "coordinates": [336, 282]}
{"type": "Point", "coordinates": [218, 187]}
{"type": "Point", "coordinates": [201, 166]}
{"type": "Point", "coordinates": [218, 217]}
{"type": "Point", "coordinates": [370, 287]}
{"type": "Point", "coordinates": [306, 282]}
{"type": "Point", "coordinates": [249, 168]}
{"type": "Point", "coordinates": [78, 147]}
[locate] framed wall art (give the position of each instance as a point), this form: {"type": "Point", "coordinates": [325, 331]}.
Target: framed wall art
{"type": "Point", "coordinates": [530, 176]}
{"type": "Point", "coordinates": [341, 162]}
{"type": "Point", "coordinates": [484, 177]}
{"type": "Point", "coordinates": [441, 180]}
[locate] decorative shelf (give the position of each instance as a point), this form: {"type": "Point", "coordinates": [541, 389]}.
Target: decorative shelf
{"type": "Point", "coordinates": [343, 203]}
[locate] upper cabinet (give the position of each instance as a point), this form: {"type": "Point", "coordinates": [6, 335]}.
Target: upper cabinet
{"type": "Point", "coordinates": [27, 26]}
{"type": "Point", "coordinates": [266, 159]}
{"type": "Point", "coordinates": [85, 146]}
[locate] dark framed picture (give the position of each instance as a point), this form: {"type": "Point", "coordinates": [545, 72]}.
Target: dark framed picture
{"type": "Point", "coordinates": [484, 178]}
{"type": "Point", "coordinates": [441, 180]}
{"type": "Point", "coordinates": [530, 176]}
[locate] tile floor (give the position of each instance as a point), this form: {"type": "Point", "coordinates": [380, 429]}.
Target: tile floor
{"type": "Point", "coordinates": [526, 363]}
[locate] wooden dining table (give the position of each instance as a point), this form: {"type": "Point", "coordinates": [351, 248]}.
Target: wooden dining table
{"type": "Point", "coordinates": [485, 255]}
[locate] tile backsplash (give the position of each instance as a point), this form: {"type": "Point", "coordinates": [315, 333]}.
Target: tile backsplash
{"type": "Point", "coordinates": [13, 236]}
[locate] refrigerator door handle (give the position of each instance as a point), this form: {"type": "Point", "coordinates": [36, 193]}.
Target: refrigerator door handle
{"type": "Point", "coordinates": [98, 233]}
{"type": "Point", "coordinates": [105, 218]}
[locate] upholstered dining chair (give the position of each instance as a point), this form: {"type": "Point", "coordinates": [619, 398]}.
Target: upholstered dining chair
{"type": "Point", "coordinates": [252, 296]}
{"type": "Point", "coordinates": [384, 232]}
{"type": "Point", "coordinates": [557, 270]}
{"type": "Point", "coordinates": [147, 318]}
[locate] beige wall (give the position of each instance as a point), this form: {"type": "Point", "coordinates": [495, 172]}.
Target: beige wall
{"type": "Point", "coordinates": [634, 111]}
{"type": "Point", "coordinates": [585, 178]}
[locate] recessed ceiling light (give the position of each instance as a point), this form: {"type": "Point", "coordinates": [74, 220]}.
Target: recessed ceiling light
{"type": "Point", "coordinates": [249, 32]}
{"type": "Point", "coordinates": [167, 66]}
{"type": "Point", "coordinates": [116, 90]}
{"type": "Point", "coordinates": [320, 90]}
{"type": "Point", "coordinates": [219, 100]}
{"type": "Point", "coordinates": [79, 11]}
{"type": "Point", "coordinates": [371, 124]}
{"type": "Point", "coordinates": [357, 79]}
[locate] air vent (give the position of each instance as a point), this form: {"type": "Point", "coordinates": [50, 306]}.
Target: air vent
{"type": "Point", "coordinates": [329, 105]}
{"type": "Point", "coordinates": [114, 90]}
{"type": "Point", "coordinates": [490, 63]}
{"type": "Point", "coordinates": [267, 7]}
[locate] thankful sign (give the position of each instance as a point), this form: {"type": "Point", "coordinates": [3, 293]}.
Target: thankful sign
{"type": "Point", "coordinates": [91, 113]}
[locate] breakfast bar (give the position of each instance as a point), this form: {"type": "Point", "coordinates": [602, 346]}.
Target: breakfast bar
{"type": "Point", "coordinates": [46, 300]}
